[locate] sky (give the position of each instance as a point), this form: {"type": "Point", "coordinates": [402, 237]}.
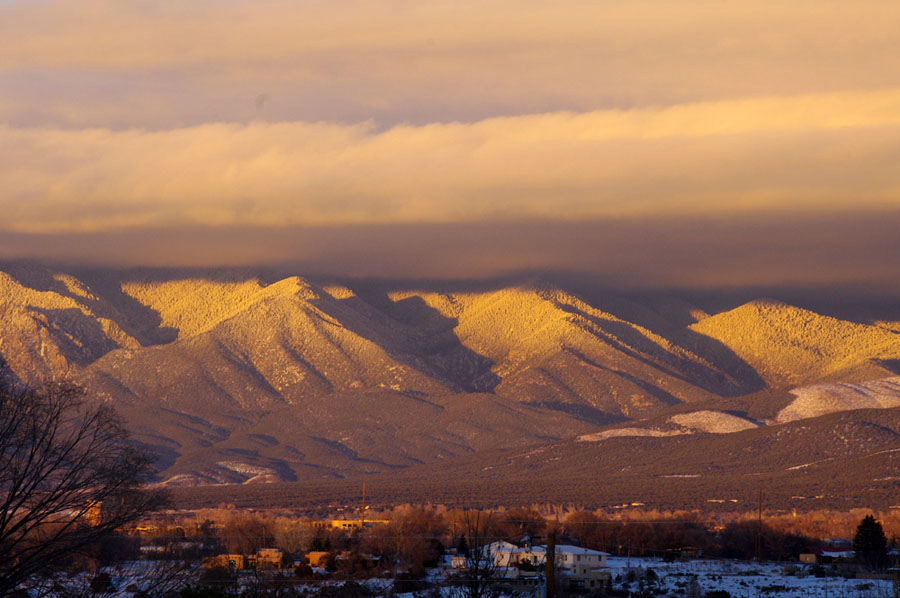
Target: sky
{"type": "Point", "coordinates": [692, 143]}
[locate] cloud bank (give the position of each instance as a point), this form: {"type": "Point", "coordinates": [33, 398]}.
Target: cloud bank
{"type": "Point", "coordinates": [829, 152]}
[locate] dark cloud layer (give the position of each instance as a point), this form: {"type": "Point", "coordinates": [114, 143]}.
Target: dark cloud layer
{"type": "Point", "coordinates": [787, 250]}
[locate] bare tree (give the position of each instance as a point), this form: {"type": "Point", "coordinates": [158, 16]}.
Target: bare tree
{"type": "Point", "coordinates": [68, 478]}
{"type": "Point", "coordinates": [479, 576]}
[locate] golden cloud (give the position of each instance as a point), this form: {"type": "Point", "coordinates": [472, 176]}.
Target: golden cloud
{"type": "Point", "coordinates": [826, 151]}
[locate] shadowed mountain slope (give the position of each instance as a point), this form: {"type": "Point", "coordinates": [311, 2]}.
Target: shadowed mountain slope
{"type": "Point", "coordinates": [838, 461]}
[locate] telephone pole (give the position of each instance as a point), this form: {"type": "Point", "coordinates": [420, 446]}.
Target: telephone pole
{"type": "Point", "coordinates": [362, 512]}
{"type": "Point", "coordinates": [551, 564]}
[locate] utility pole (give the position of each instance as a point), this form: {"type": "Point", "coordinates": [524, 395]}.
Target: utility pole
{"type": "Point", "coordinates": [551, 564]}
{"type": "Point", "coordinates": [362, 512]}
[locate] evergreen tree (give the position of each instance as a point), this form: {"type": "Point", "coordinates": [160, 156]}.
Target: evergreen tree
{"type": "Point", "coordinates": [462, 547]}
{"type": "Point", "coordinates": [870, 544]}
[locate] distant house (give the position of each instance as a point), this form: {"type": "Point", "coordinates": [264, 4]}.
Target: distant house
{"type": "Point", "coordinates": [269, 558]}
{"type": "Point", "coordinates": [227, 561]}
{"type": "Point", "coordinates": [347, 524]}
{"type": "Point", "coordinates": [316, 558]}
{"type": "Point", "coordinates": [577, 567]}
{"type": "Point", "coordinates": [827, 554]}
{"type": "Point", "coordinates": [505, 554]}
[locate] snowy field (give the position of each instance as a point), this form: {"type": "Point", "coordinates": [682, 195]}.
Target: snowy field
{"type": "Point", "coordinates": [745, 580]}
{"type": "Point", "coordinates": [697, 577]}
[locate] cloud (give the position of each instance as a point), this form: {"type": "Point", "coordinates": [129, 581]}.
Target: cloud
{"type": "Point", "coordinates": [823, 152]}
{"type": "Point", "coordinates": [110, 63]}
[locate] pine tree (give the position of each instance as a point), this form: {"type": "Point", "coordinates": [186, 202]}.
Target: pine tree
{"type": "Point", "coordinates": [870, 543]}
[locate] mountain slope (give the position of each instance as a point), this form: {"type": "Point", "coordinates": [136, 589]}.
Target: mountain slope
{"type": "Point", "coordinates": [549, 347]}
{"type": "Point", "coordinates": [789, 346]}
{"type": "Point", "coordinates": [230, 377]}
{"type": "Point", "coordinates": [838, 461]}
{"type": "Point", "coordinates": [279, 349]}
{"type": "Point", "coordinates": [55, 325]}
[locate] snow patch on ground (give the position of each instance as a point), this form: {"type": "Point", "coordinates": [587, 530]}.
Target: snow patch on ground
{"type": "Point", "coordinates": [619, 432]}
{"type": "Point", "coordinates": [246, 469]}
{"type": "Point", "coordinates": [712, 422]}
{"type": "Point", "coordinates": [820, 399]}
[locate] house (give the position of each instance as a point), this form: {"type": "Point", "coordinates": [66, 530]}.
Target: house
{"type": "Point", "coordinates": [830, 554]}
{"type": "Point", "coordinates": [363, 561]}
{"type": "Point", "coordinates": [576, 558]}
{"type": "Point", "coordinates": [576, 567]}
{"type": "Point", "coordinates": [226, 561]}
{"type": "Point", "coordinates": [269, 558]}
{"type": "Point", "coordinates": [347, 524]}
{"type": "Point", "coordinates": [505, 554]}
{"type": "Point", "coordinates": [316, 558]}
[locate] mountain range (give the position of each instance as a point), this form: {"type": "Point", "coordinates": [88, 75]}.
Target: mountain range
{"type": "Point", "coordinates": [243, 377]}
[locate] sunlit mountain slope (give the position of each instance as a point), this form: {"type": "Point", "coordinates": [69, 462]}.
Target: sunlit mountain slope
{"type": "Point", "coordinates": [279, 348]}
{"type": "Point", "coordinates": [243, 377]}
{"type": "Point", "coordinates": [51, 325]}
{"type": "Point", "coordinates": [789, 346]}
{"type": "Point", "coordinates": [549, 347]}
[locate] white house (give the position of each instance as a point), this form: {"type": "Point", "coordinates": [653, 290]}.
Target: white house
{"type": "Point", "coordinates": [579, 567]}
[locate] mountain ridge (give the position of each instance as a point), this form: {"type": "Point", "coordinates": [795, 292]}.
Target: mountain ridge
{"type": "Point", "coordinates": [239, 377]}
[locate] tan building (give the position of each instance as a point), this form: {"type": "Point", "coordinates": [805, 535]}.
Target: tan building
{"type": "Point", "coordinates": [316, 558]}
{"type": "Point", "coordinates": [227, 561]}
{"type": "Point", "coordinates": [269, 558]}
{"type": "Point", "coordinates": [355, 523]}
